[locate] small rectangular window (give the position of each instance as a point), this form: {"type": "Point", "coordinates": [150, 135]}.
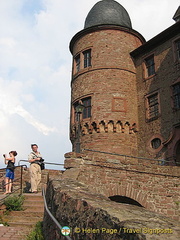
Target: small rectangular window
{"type": "Point", "coordinates": [87, 58]}
{"type": "Point", "coordinates": [77, 63]}
{"type": "Point", "coordinates": [153, 106]}
{"type": "Point", "coordinates": [150, 66]}
{"type": "Point", "coordinates": [176, 95]}
{"type": "Point", "coordinates": [86, 111]}
{"type": "Point", "coordinates": [87, 107]}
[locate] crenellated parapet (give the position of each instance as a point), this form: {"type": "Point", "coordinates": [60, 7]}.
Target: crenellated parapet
{"type": "Point", "coordinates": [104, 126]}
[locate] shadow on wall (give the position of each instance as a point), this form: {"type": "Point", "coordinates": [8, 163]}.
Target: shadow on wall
{"type": "Point", "coordinates": [159, 125]}
{"type": "Point", "coordinates": [123, 199]}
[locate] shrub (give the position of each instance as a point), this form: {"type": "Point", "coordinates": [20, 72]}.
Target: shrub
{"type": "Point", "coordinates": [14, 203]}
{"type": "Point", "coordinates": [37, 233]}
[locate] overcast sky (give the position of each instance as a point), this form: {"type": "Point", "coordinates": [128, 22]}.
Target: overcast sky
{"type": "Point", "coordinates": [35, 67]}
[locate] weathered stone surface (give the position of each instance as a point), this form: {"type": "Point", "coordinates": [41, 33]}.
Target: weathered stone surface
{"type": "Point", "coordinates": [73, 162]}
{"type": "Point", "coordinates": [92, 216]}
{"type": "Point", "coordinates": [155, 187]}
{"type": "Point", "coordinates": [72, 173]}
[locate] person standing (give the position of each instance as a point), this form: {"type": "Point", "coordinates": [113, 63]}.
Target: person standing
{"type": "Point", "coordinates": [35, 169]}
{"type": "Point", "coordinates": [10, 161]}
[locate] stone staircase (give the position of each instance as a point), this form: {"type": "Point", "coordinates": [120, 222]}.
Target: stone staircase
{"type": "Point", "coordinates": [21, 223]}
{"type": "Point", "coordinates": [26, 220]}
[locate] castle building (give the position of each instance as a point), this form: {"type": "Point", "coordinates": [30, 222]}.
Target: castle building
{"type": "Point", "coordinates": [130, 88]}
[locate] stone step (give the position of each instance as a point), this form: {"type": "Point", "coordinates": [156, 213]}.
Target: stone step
{"type": "Point", "coordinates": [33, 202]}
{"type": "Point", "coordinates": [34, 209]}
{"type": "Point", "coordinates": [33, 197]}
{"type": "Point", "coordinates": [32, 206]}
{"type": "Point", "coordinates": [22, 219]}
{"type": "Point", "coordinates": [26, 226]}
{"type": "Point", "coordinates": [27, 214]}
{"type": "Point", "coordinates": [33, 212]}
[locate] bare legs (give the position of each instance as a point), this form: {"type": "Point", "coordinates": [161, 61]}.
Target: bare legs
{"type": "Point", "coordinates": [8, 184]}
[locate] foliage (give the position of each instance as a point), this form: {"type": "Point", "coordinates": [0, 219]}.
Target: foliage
{"type": "Point", "coordinates": [14, 203]}
{"type": "Point", "coordinates": [37, 233]}
{"type": "Point", "coordinates": [2, 222]}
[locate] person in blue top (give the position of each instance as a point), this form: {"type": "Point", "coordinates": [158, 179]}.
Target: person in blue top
{"type": "Point", "coordinates": [10, 161]}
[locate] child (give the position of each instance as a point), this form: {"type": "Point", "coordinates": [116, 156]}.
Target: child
{"type": "Point", "coordinates": [9, 170]}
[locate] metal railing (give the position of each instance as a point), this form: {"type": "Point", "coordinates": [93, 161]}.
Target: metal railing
{"type": "Point", "coordinates": [99, 163]}
{"type": "Point", "coordinates": [160, 161]}
{"type": "Point", "coordinates": [2, 175]}
{"type": "Point", "coordinates": [15, 187]}
{"type": "Point", "coordinates": [50, 214]}
{"type": "Point", "coordinates": [56, 164]}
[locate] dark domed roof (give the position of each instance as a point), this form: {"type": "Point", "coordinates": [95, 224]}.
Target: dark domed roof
{"type": "Point", "coordinates": [108, 12]}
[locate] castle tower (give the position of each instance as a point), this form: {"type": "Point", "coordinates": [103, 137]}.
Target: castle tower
{"type": "Point", "coordinates": [104, 81]}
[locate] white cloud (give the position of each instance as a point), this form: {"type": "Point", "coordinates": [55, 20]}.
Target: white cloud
{"type": "Point", "coordinates": [35, 67]}
{"type": "Point", "coordinates": [7, 42]}
{"type": "Point", "coordinates": [10, 104]}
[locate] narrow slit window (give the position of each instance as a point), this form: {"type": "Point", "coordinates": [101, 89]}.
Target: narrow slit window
{"type": "Point", "coordinates": [77, 63]}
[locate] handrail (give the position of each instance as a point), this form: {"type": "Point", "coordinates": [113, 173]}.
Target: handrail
{"type": "Point", "coordinates": [123, 155]}
{"type": "Point", "coordinates": [60, 164]}
{"type": "Point", "coordinates": [20, 188]}
{"type": "Point", "coordinates": [50, 214]}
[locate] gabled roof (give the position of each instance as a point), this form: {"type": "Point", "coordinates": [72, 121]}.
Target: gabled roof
{"type": "Point", "coordinates": [176, 16]}
{"type": "Point", "coordinates": [157, 40]}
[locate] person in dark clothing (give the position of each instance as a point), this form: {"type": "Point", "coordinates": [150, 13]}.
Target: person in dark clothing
{"type": "Point", "coordinates": [10, 161]}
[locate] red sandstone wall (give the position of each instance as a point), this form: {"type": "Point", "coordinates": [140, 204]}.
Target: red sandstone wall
{"type": "Point", "coordinates": [167, 73]}
{"type": "Point", "coordinates": [111, 83]}
{"type": "Point", "coordinates": [154, 187]}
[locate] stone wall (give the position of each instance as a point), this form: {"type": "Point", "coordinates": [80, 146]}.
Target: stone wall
{"type": "Point", "coordinates": [166, 74]}
{"type": "Point", "coordinates": [155, 187]}
{"type": "Point", "coordinates": [91, 216]}
{"type": "Point", "coordinates": [110, 81]}
{"type": "Point", "coordinates": [26, 178]}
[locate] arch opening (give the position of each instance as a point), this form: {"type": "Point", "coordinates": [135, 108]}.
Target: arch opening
{"type": "Point", "coordinates": [125, 200]}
